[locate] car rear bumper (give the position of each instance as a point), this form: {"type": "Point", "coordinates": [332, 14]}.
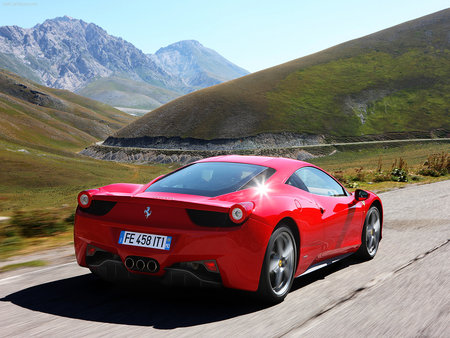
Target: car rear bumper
{"type": "Point", "coordinates": [114, 270]}
{"type": "Point", "coordinates": [238, 251]}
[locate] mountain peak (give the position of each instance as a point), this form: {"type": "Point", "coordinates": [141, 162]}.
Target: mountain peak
{"type": "Point", "coordinates": [61, 19]}
{"type": "Point", "coordinates": [65, 18]}
{"type": "Point", "coordinates": [193, 43]}
{"type": "Point", "coordinates": [207, 66]}
{"type": "Point", "coordinates": [181, 45]}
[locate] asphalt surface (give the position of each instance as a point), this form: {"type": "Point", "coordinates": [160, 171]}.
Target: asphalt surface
{"type": "Point", "coordinates": [403, 292]}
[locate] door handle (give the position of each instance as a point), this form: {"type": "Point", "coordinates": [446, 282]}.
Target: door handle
{"type": "Point", "coordinates": [322, 210]}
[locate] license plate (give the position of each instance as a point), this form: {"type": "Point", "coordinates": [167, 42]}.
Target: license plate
{"type": "Point", "coordinates": [145, 240]}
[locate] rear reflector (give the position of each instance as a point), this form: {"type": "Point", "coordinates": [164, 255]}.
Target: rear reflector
{"type": "Point", "coordinates": [211, 266]}
{"type": "Point", "coordinates": [90, 251]}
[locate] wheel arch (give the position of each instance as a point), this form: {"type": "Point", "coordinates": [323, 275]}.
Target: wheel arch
{"type": "Point", "coordinates": [290, 222]}
{"type": "Point", "coordinates": [377, 203]}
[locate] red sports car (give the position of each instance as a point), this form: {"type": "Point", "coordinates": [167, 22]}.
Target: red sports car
{"type": "Point", "coordinates": [245, 222]}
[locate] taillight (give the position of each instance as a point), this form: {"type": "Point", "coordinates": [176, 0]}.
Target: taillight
{"type": "Point", "coordinates": [240, 212]}
{"type": "Point", "coordinates": [84, 199]}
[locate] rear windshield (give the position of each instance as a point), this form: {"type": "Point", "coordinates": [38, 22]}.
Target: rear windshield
{"type": "Point", "coordinates": [211, 178]}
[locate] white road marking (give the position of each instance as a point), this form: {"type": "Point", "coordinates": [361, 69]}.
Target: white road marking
{"type": "Point", "coordinates": [9, 279]}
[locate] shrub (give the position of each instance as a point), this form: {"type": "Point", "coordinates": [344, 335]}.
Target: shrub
{"type": "Point", "coordinates": [382, 177]}
{"type": "Point", "coordinates": [436, 165]}
{"type": "Point", "coordinates": [399, 170]}
{"type": "Point", "coordinates": [360, 175]}
{"type": "Point", "coordinates": [402, 165]}
{"type": "Point", "coordinates": [379, 165]}
{"type": "Point", "coordinates": [8, 230]}
{"type": "Point", "coordinates": [37, 222]}
{"type": "Point", "coordinates": [399, 175]}
{"type": "Point", "coordinates": [429, 172]}
{"type": "Point", "coordinates": [70, 219]}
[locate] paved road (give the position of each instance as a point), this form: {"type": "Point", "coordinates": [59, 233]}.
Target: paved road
{"type": "Point", "coordinates": [404, 291]}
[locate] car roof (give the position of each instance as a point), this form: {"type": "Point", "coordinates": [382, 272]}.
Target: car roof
{"type": "Point", "coordinates": [273, 162]}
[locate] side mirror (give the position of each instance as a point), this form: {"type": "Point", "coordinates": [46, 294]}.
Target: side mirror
{"type": "Point", "coordinates": [361, 195]}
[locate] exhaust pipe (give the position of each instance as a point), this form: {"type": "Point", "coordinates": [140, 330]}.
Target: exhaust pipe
{"type": "Point", "coordinates": [129, 263]}
{"type": "Point", "coordinates": [152, 266]}
{"type": "Point", "coordinates": [144, 264]}
{"type": "Point", "coordinates": [140, 264]}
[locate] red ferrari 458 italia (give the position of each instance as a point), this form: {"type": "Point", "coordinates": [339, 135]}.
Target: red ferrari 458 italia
{"type": "Point", "coordinates": [245, 222]}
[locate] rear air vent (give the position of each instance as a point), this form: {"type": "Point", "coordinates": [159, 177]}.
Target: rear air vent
{"type": "Point", "coordinates": [101, 256]}
{"type": "Point", "coordinates": [210, 218]}
{"type": "Point", "coordinates": [99, 208]}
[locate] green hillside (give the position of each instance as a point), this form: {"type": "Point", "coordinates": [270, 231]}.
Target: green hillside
{"type": "Point", "coordinates": [371, 93]}
{"type": "Point", "coordinates": [392, 81]}
{"type": "Point", "coordinates": [122, 92]}
{"type": "Point", "coordinates": [41, 131]}
{"type": "Point", "coordinates": [34, 115]}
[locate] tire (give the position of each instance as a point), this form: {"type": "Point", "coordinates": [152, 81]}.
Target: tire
{"type": "Point", "coordinates": [370, 237]}
{"type": "Point", "coordinates": [280, 262]}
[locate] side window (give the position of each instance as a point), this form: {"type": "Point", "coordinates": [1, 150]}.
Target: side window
{"type": "Point", "coordinates": [259, 179]}
{"type": "Point", "coordinates": [319, 183]}
{"type": "Point", "coordinates": [295, 181]}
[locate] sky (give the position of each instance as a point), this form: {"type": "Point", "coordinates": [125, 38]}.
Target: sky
{"type": "Point", "coordinates": [254, 34]}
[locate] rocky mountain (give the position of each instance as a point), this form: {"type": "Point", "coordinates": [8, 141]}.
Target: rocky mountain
{"type": "Point", "coordinates": [195, 65]}
{"type": "Point", "coordinates": [67, 53]}
{"type": "Point", "coordinates": [71, 54]}
{"type": "Point", "coordinates": [390, 84]}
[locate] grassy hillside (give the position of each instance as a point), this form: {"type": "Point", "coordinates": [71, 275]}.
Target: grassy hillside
{"type": "Point", "coordinates": [372, 93]}
{"type": "Point", "coordinates": [33, 114]}
{"type": "Point", "coordinates": [396, 80]}
{"type": "Point", "coordinates": [41, 129]}
{"type": "Point", "coordinates": [34, 178]}
{"type": "Point", "coordinates": [122, 92]}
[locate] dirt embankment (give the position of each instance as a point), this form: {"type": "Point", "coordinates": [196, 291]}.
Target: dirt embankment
{"type": "Point", "coordinates": [146, 155]}
{"type": "Point", "coordinates": [260, 141]}
{"type": "Point", "coordinates": [182, 156]}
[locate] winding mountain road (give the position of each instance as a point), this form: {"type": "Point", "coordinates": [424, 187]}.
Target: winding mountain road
{"type": "Point", "coordinates": [404, 291]}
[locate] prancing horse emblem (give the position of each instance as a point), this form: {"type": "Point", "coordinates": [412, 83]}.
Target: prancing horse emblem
{"type": "Point", "coordinates": [147, 212]}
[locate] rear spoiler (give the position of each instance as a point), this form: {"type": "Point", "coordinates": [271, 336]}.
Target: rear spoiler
{"type": "Point", "coordinates": [218, 206]}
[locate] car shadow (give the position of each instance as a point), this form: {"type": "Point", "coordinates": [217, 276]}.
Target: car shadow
{"type": "Point", "coordinates": [312, 277]}
{"type": "Point", "coordinates": [86, 297]}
